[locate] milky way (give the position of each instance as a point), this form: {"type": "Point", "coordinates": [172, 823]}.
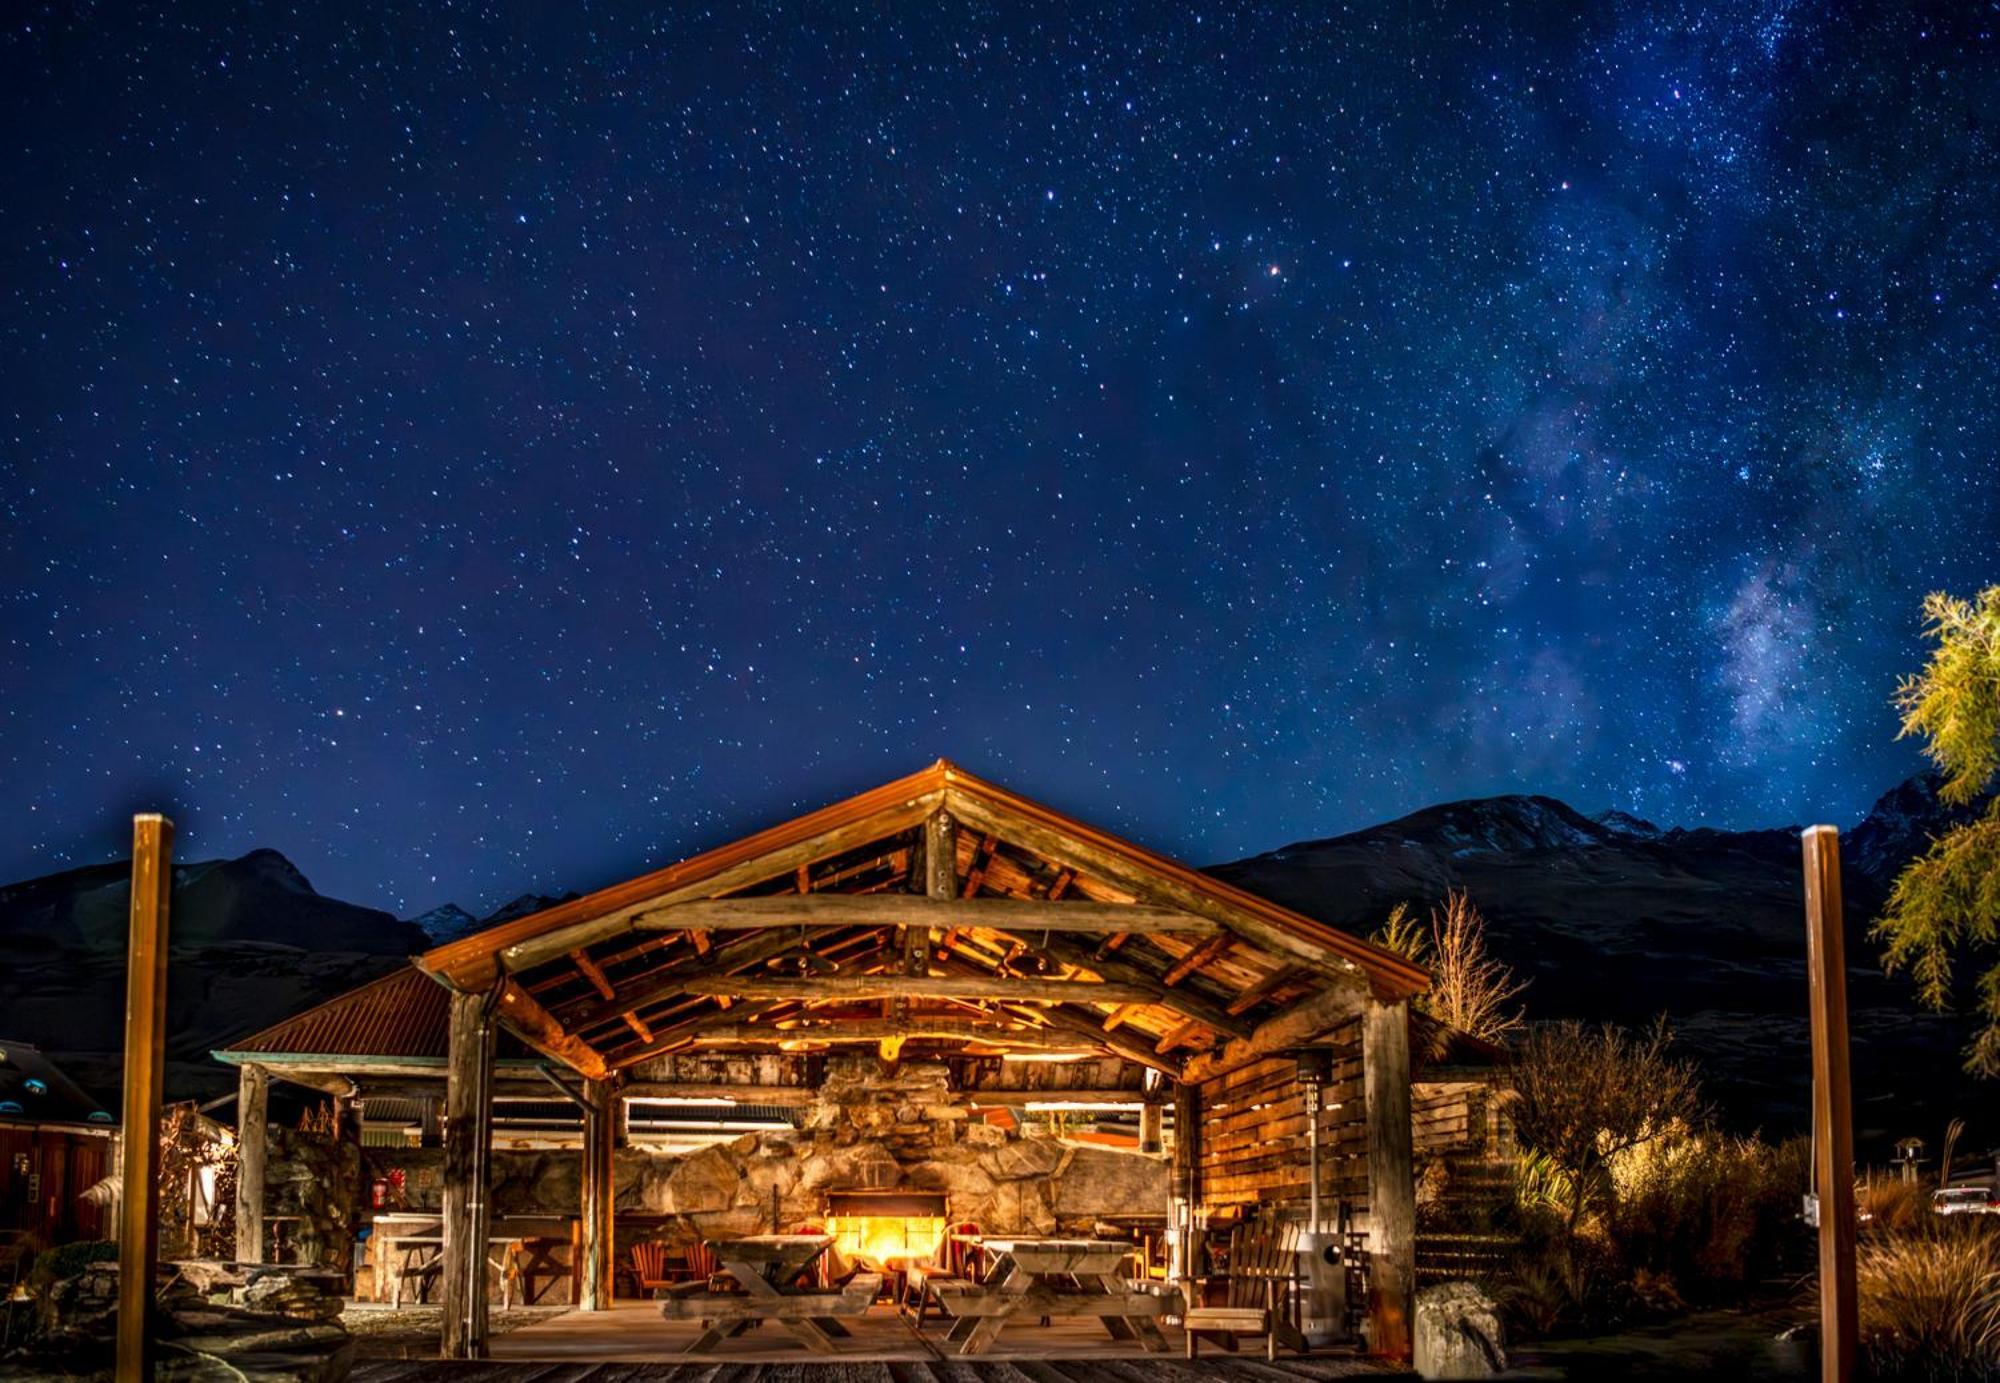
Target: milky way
{"type": "Point", "coordinates": [475, 449]}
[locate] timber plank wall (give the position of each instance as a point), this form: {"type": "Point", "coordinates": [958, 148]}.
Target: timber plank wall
{"type": "Point", "coordinates": [1253, 1134]}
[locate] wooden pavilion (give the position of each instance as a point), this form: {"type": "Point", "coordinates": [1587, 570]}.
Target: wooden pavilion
{"type": "Point", "coordinates": [937, 917]}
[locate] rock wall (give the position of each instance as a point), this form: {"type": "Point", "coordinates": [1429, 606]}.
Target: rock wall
{"type": "Point", "coordinates": [868, 1129]}
{"type": "Point", "coordinates": [318, 1180]}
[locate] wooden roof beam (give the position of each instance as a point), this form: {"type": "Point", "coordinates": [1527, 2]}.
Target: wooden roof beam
{"type": "Point", "coordinates": [1126, 972]}
{"type": "Point", "coordinates": [539, 1029]}
{"type": "Point", "coordinates": [830, 910]}
{"type": "Point", "coordinates": [1198, 956]}
{"type": "Point", "coordinates": [769, 855]}
{"type": "Point", "coordinates": [668, 984]}
{"type": "Point", "coordinates": [1159, 881]}
{"type": "Point", "coordinates": [846, 987]}
{"type": "Point", "coordinates": [1311, 1017]}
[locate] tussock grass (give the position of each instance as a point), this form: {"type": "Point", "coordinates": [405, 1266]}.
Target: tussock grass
{"type": "Point", "coordinates": [1930, 1302]}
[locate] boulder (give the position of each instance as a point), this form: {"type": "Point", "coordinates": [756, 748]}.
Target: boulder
{"type": "Point", "coordinates": [1458, 1333]}
{"type": "Point", "coordinates": [701, 1182]}
{"type": "Point", "coordinates": [1105, 1181]}
{"type": "Point", "coordinates": [1024, 1157]}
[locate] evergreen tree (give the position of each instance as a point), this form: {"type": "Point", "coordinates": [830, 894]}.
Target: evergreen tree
{"type": "Point", "coordinates": [1949, 899]}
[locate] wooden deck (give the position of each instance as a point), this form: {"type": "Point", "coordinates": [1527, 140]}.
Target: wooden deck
{"type": "Point", "coordinates": [1209, 1369]}
{"type": "Point", "coordinates": [632, 1344]}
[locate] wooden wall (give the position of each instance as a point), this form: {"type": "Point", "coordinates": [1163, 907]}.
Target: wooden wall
{"type": "Point", "coordinates": [1253, 1134]}
{"type": "Point", "coordinates": [1460, 1118]}
{"type": "Point", "coordinates": [59, 1167]}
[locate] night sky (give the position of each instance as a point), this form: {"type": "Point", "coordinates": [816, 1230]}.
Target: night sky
{"type": "Point", "coordinates": [476, 449]}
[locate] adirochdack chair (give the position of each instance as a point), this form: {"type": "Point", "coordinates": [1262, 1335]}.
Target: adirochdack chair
{"type": "Point", "coordinates": [1261, 1296]}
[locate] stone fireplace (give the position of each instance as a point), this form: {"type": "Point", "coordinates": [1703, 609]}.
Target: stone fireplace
{"type": "Point", "coordinates": [869, 1132]}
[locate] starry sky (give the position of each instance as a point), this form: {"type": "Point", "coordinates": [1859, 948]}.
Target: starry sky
{"type": "Point", "coordinates": [482, 448]}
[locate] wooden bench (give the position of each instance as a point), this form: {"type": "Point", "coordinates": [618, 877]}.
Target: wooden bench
{"type": "Point", "coordinates": [805, 1314]}
{"type": "Point", "coordinates": [1261, 1299]}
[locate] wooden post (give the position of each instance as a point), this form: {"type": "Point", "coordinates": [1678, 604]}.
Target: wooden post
{"type": "Point", "coordinates": [940, 856]}
{"type": "Point", "coordinates": [1150, 1121]}
{"type": "Point", "coordinates": [1186, 1185]}
{"type": "Point", "coordinates": [1833, 1116]}
{"type": "Point", "coordinates": [468, 1145]}
{"type": "Point", "coordinates": [145, 1042]}
{"type": "Point", "coordinates": [1392, 1188]}
{"type": "Point", "coordinates": [253, 1096]}
{"type": "Point", "coordinates": [600, 1121]}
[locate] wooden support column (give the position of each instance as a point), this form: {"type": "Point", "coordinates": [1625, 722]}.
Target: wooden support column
{"type": "Point", "coordinates": [1833, 1106]}
{"type": "Point", "coordinates": [1392, 1187]}
{"type": "Point", "coordinates": [253, 1103]}
{"type": "Point", "coordinates": [1185, 1212]}
{"type": "Point", "coordinates": [1150, 1121]}
{"type": "Point", "coordinates": [600, 1125]}
{"type": "Point", "coordinates": [145, 1045]}
{"type": "Point", "coordinates": [468, 1151]}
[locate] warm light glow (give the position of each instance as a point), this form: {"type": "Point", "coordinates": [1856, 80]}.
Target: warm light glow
{"type": "Point", "coordinates": [886, 1241]}
{"type": "Point", "coordinates": [1045, 1056]}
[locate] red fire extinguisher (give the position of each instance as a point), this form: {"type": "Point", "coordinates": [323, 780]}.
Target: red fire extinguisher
{"type": "Point", "coordinates": [378, 1193]}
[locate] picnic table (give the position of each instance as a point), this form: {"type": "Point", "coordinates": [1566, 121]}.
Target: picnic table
{"type": "Point", "coordinates": [410, 1249]}
{"type": "Point", "coordinates": [1051, 1277]}
{"type": "Point", "coordinates": [770, 1271]}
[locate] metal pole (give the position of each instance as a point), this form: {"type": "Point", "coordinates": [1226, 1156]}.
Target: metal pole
{"type": "Point", "coordinates": [139, 1136]}
{"type": "Point", "coordinates": [1833, 1118]}
{"type": "Point", "coordinates": [1312, 1159]}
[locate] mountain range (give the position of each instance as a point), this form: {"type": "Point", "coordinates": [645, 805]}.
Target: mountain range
{"type": "Point", "coordinates": [1605, 918]}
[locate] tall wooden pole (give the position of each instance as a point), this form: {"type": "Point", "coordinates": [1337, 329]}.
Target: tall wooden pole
{"type": "Point", "coordinates": [1833, 1107]}
{"type": "Point", "coordinates": [145, 1039]}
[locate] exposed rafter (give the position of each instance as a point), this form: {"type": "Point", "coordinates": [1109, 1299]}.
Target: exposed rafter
{"type": "Point", "coordinates": [834, 910]}
{"type": "Point", "coordinates": [850, 987]}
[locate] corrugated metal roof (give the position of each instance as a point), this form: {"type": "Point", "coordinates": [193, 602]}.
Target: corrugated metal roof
{"type": "Point", "coordinates": [405, 1013]}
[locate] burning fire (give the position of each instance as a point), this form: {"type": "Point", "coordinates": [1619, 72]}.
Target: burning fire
{"type": "Point", "coordinates": [886, 1241]}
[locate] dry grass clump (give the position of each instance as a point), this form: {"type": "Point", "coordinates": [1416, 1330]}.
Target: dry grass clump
{"type": "Point", "coordinates": [1890, 1205]}
{"type": "Point", "coordinates": [1930, 1302]}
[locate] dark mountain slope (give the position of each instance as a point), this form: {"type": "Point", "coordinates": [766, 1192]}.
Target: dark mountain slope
{"type": "Point", "coordinates": [251, 943]}
{"type": "Point", "coordinates": [1612, 918]}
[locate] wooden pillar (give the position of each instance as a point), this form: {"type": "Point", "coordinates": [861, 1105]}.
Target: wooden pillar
{"type": "Point", "coordinates": [1392, 1187]}
{"type": "Point", "coordinates": [600, 1123]}
{"type": "Point", "coordinates": [468, 1146]}
{"type": "Point", "coordinates": [253, 1101]}
{"type": "Point", "coordinates": [145, 1043]}
{"type": "Point", "coordinates": [1186, 1183]}
{"type": "Point", "coordinates": [1833, 1109]}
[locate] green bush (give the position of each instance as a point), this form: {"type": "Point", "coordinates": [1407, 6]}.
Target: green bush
{"type": "Point", "coordinates": [67, 1260]}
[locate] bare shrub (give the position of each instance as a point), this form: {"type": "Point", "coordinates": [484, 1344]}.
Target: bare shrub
{"type": "Point", "coordinates": [1585, 1095]}
{"type": "Point", "coordinates": [1470, 990]}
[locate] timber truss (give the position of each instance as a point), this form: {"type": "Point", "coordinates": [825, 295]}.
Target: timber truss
{"type": "Point", "coordinates": [939, 914]}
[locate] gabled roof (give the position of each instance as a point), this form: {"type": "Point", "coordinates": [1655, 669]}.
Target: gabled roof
{"type": "Point", "coordinates": [1035, 898]}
